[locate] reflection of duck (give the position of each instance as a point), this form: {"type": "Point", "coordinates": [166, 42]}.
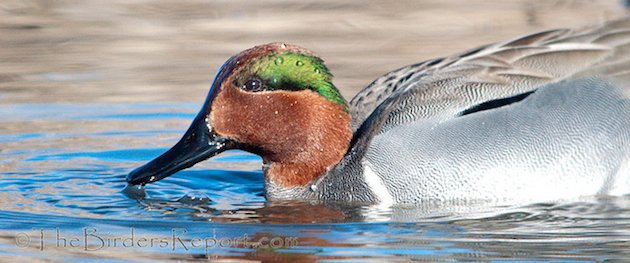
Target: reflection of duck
{"type": "Point", "coordinates": [540, 117]}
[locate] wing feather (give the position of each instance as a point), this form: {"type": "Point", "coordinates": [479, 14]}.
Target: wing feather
{"type": "Point", "coordinates": [442, 88]}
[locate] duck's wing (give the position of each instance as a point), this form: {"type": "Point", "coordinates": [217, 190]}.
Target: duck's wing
{"type": "Point", "coordinates": [491, 76]}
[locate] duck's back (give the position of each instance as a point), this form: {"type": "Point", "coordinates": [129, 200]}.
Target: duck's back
{"type": "Point", "coordinates": [540, 117]}
{"type": "Point", "coordinates": [564, 140]}
{"type": "Point", "coordinates": [445, 87]}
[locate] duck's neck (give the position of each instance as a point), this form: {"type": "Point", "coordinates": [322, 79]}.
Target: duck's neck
{"type": "Point", "coordinates": [311, 150]}
{"type": "Point", "coordinates": [299, 134]}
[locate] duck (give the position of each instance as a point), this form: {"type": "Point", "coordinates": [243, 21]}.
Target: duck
{"type": "Point", "coordinates": [540, 117]}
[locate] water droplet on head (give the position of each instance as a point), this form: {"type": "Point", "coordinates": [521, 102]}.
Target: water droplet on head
{"type": "Point", "coordinates": [313, 187]}
{"type": "Point", "coordinates": [317, 71]}
{"type": "Point", "coordinates": [278, 61]}
{"type": "Point", "coordinates": [299, 63]}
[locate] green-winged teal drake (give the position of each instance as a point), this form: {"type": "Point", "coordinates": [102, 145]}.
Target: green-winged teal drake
{"type": "Point", "coordinates": [540, 117]}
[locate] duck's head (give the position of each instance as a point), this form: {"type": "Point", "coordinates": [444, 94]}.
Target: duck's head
{"type": "Point", "coordinates": [274, 100]}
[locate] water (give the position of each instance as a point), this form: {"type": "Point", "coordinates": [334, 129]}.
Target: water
{"type": "Point", "coordinates": [90, 90]}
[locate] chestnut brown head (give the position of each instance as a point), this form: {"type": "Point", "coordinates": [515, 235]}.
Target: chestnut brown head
{"type": "Point", "coordinates": [274, 100]}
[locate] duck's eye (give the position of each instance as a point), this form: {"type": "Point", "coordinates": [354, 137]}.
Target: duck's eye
{"type": "Point", "coordinates": [252, 85]}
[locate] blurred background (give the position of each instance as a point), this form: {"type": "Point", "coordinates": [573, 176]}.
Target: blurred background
{"type": "Point", "coordinates": [156, 51]}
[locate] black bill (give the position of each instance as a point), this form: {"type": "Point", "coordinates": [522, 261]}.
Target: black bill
{"type": "Point", "coordinates": [198, 143]}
